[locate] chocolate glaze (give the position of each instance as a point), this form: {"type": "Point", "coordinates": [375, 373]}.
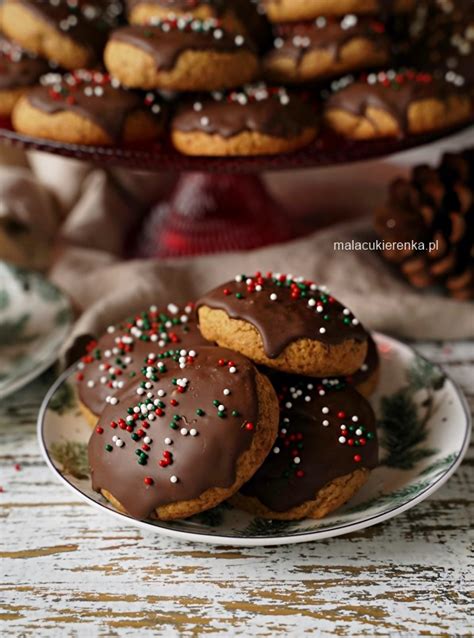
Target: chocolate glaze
{"type": "Point", "coordinates": [18, 68]}
{"type": "Point", "coordinates": [370, 365]}
{"type": "Point", "coordinates": [118, 355]}
{"type": "Point", "coordinates": [394, 96]}
{"type": "Point", "coordinates": [165, 47]}
{"type": "Point", "coordinates": [295, 41]}
{"type": "Point", "coordinates": [87, 24]}
{"type": "Point", "coordinates": [219, 6]}
{"type": "Point", "coordinates": [286, 319]}
{"type": "Point", "coordinates": [108, 109]}
{"type": "Point", "coordinates": [227, 117]}
{"type": "Point", "coordinates": [203, 459]}
{"type": "Point", "coordinates": [282, 482]}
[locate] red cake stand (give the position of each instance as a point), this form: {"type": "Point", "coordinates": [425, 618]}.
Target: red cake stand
{"type": "Point", "coordinates": [220, 204]}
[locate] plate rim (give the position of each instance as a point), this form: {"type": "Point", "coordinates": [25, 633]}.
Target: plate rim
{"type": "Point", "coordinates": [258, 541]}
{"type": "Point", "coordinates": [42, 364]}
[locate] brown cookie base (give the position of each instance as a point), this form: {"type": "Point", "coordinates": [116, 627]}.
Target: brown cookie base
{"type": "Point", "coordinates": [193, 71]}
{"type": "Point", "coordinates": [326, 500]}
{"type": "Point", "coordinates": [304, 356]}
{"type": "Point", "coordinates": [71, 128]}
{"type": "Point", "coordinates": [36, 35]}
{"type": "Point", "coordinates": [295, 10]}
{"type": "Point", "coordinates": [265, 434]}
{"type": "Point", "coordinates": [423, 116]}
{"type": "Point", "coordinates": [245, 143]}
{"type": "Point", "coordinates": [358, 53]}
{"type": "Point", "coordinates": [90, 417]}
{"type": "Point", "coordinates": [8, 99]}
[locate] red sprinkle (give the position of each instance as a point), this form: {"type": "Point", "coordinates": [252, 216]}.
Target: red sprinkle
{"type": "Point", "coordinates": [357, 458]}
{"type": "Point", "coordinates": [249, 426]}
{"type": "Point", "coordinates": [99, 430]}
{"type": "Point", "coordinates": [148, 480]}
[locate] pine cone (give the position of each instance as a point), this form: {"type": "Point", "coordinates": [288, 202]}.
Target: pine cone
{"type": "Point", "coordinates": [435, 208]}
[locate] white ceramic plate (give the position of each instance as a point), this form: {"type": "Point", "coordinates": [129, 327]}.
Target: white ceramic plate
{"type": "Point", "coordinates": [424, 431]}
{"type": "Point", "coordinates": [35, 318]}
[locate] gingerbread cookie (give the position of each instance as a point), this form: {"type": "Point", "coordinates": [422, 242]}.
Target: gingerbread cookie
{"type": "Point", "coordinates": [185, 435]}
{"type": "Point", "coordinates": [296, 10]}
{"type": "Point", "coordinates": [284, 323]}
{"type": "Point", "coordinates": [88, 107]}
{"type": "Point", "coordinates": [19, 70]}
{"type": "Point", "coordinates": [394, 103]}
{"type": "Point", "coordinates": [71, 33]}
{"type": "Point", "coordinates": [325, 450]}
{"type": "Point", "coordinates": [255, 120]}
{"type": "Point", "coordinates": [183, 54]}
{"type": "Point", "coordinates": [326, 47]}
{"type": "Point", "coordinates": [366, 378]}
{"type": "Point", "coordinates": [119, 354]}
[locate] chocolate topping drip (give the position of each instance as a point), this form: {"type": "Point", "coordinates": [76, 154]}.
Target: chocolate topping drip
{"type": "Point", "coordinates": [18, 68]}
{"type": "Point", "coordinates": [295, 41]}
{"type": "Point", "coordinates": [284, 310]}
{"type": "Point", "coordinates": [326, 431]}
{"type": "Point", "coordinates": [389, 91]}
{"type": "Point", "coordinates": [197, 414]}
{"type": "Point", "coordinates": [166, 44]}
{"type": "Point", "coordinates": [258, 109]}
{"type": "Point", "coordinates": [117, 357]}
{"type": "Point", "coordinates": [369, 366]}
{"type": "Point", "coordinates": [93, 96]}
{"type": "Point", "coordinates": [86, 22]}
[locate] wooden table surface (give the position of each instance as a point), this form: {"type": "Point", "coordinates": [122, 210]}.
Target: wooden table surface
{"type": "Point", "coordinates": [69, 570]}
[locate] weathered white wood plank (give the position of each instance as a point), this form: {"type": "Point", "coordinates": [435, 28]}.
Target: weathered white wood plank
{"type": "Point", "coordinates": [68, 570]}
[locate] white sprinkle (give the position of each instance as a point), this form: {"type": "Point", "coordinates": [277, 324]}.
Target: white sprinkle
{"type": "Point", "coordinates": [193, 432]}
{"type": "Point", "coordinates": [346, 311]}
{"type": "Point", "coordinates": [168, 441]}
{"type": "Point", "coordinates": [226, 391]}
{"type": "Point", "coordinates": [113, 401]}
{"type": "Point", "coordinates": [273, 297]}
{"type": "Point", "coordinates": [297, 460]}
{"type": "Point", "coordinates": [342, 439]}
{"type": "Point", "coordinates": [90, 384]}
{"type": "Point", "coordinates": [322, 330]}
{"type": "Point", "coordinates": [161, 393]}
{"type": "Point", "coordinates": [355, 322]}
{"type": "Point", "coordinates": [147, 440]}
{"type": "Point", "coordinates": [358, 432]}
{"type": "Point", "coordinates": [311, 302]}
{"type": "Point", "coordinates": [355, 419]}
{"type": "Point", "coordinates": [276, 450]}
{"type": "Point", "coordinates": [184, 431]}
{"type": "Point", "coordinates": [239, 40]}
{"type": "Point", "coordinates": [114, 438]}
{"type": "Point", "coordinates": [119, 443]}
{"type": "Point", "coordinates": [325, 423]}
{"type": "Point", "coordinates": [173, 479]}
{"type": "Point", "coordinates": [197, 106]}
{"type": "Point", "coordinates": [288, 405]}
{"type": "Point", "coordinates": [307, 398]}
{"type": "Point", "coordinates": [173, 308]}
{"type": "Point", "coordinates": [325, 410]}
{"type": "Point", "coordinates": [232, 369]}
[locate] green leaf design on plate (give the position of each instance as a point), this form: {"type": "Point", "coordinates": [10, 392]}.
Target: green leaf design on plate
{"type": "Point", "coordinates": [12, 331]}
{"type": "Point", "coordinates": [46, 290]}
{"type": "Point", "coordinates": [266, 527]}
{"type": "Point", "coordinates": [4, 299]}
{"type": "Point", "coordinates": [64, 399]}
{"type": "Point", "coordinates": [213, 517]}
{"type": "Point", "coordinates": [62, 317]}
{"type": "Point", "coordinates": [403, 428]}
{"type": "Point", "coordinates": [73, 458]}
{"type": "Point", "coordinates": [440, 465]}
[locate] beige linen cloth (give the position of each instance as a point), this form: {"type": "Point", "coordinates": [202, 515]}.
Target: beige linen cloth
{"type": "Point", "coordinates": [101, 207]}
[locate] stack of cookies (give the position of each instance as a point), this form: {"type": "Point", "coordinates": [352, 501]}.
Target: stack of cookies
{"type": "Point", "coordinates": [220, 78]}
{"type": "Point", "coordinates": [254, 394]}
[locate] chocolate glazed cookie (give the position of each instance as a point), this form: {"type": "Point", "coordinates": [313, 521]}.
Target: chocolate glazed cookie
{"type": "Point", "coordinates": [183, 54]}
{"type": "Point", "coordinates": [394, 103]}
{"type": "Point", "coordinates": [117, 357]}
{"type": "Point", "coordinates": [71, 33]}
{"type": "Point", "coordinates": [325, 47]}
{"type": "Point", "coordinates": [284, 323]}
{"type": "Point", "coordinates": [19, 70]}
{"type": "Point", "coordinates": [325, 450]}
{"type": "Point", "coordinates": [185, 435]}
{"type": "Point", "coordinates": [251, 121]}
{"type": "Point", "coordinates": [88, 107]}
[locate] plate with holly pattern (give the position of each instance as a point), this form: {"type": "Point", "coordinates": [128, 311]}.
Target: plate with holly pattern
{"type": "Point", "coordinates": [424, 430]}
{"type": "Point", "coordinates": [35, 319]}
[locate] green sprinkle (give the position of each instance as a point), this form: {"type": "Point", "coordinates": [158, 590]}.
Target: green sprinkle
{"type": "Point", "coordinates": [200, 412]}
{"type": "Point", "coordinates": [235, 413]}
{"type": "Point", "coordinates": [109, 448]}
